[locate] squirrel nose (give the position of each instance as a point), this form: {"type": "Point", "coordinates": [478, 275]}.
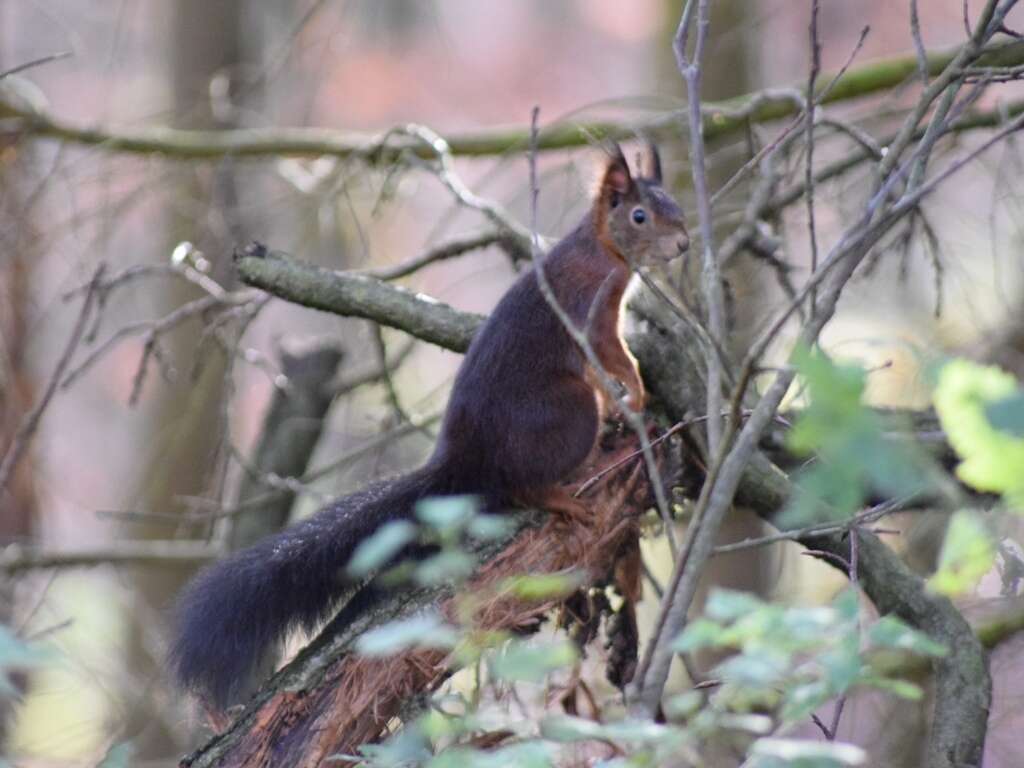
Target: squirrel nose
{"type": "Point", "coordinates": [683, 244]}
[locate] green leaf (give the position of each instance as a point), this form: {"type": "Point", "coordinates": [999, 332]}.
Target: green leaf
{"type": "Point", "coordinates": [835, 392]}
{"type": "Point", "coordinates": [801, 700]}
{"type": "Point", "coordinates": [763, 669]}
{"type": "Point", "coordinates": [118, 756]}
{"type": "Point", "coordinates": [567, 729]}
{"type": "Point", "coordinates": [490, 527]}
{"type": "Point", "coordinates": [531, 661]}
{"type": "Point", "coordinates": [684, 704]}
{"type": "Point", "coordinates": [968, 553]}
{"type": "Point", "coordinates": [15, 654]}
{"type": "Point", "coordinates": [701, 633]}
{"type": "Point", "coordinates": [545, 586]}
{"type": "Point", "coordinates": [422, 631]}
{"type": "Point", "coordinates": [891, 632]}
{"type": "Point", "coordinates": [529, 754]}
{"type": "Point", "coordinates": [448, 567]}
{"type": "Point", "coordinates": [378, 550]}
{"type": "Point", "coordinates": [447, 514]}
{"type": "Point", "coordinates": [852, 453]}
{"type": "Point", "coordinates": [826, 753]}
{"type": "Point", "coordinates": [1007, 415]}
{"type": "Point", "coordinates": [847, 604]}
{"type": "Point", "coordinates": [728, 604]}
{"type": "Point", "coordinates": [993, 457]}
{"type": "Point", "coordinates": [901, 688]}
{"type": "Point", "coordinates": [842, 662]}
{"type": "Point", "coordinates": [405, 748]}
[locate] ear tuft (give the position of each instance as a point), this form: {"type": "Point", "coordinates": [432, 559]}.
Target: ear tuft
{"type": "Point", "coordinates": [653, 162]}
{"type": "Point", "coordinates": [615, 175]}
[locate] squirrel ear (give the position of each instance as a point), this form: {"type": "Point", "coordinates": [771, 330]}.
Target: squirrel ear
{"type": "Point", "coordinates": [615, 175]}
{"type": "Point", "coordinates": [653, 162]}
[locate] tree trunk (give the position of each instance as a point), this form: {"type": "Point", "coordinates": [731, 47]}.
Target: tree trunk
{"type": "Point", "coordinates": [208, 49]}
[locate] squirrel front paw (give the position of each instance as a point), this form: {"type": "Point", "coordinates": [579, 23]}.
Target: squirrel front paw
{"type": "Point", "coordinates": [635, 400]}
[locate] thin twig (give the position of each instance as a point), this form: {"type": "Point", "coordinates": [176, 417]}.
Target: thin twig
{"type": "Point", "coordinates": [690, 69]}
{"type": "Point", "coordinates": [815, 68]}
{"type": "Point", "coordinates": [915, 31]}
{"type": "Point", "coordinates": [27, 428]}
{"type": "Point", "coordinates": [36, 63]}
{"type": "Point", "coordinates": [819, 529]}
{"type": "Point", "coordinates": [441, 252]}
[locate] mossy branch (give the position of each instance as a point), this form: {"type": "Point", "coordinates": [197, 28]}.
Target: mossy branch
{"type": "Point", "coordinates": [27, 116]}
{"type": "Point", "coordinates": [352, 295]}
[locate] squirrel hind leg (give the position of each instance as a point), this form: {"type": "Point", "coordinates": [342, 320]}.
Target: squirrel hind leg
{"type": "Point", "coordinates": [571, 516]}
{"type": "Point", "coordinates": [555, 433]}
{"type": "Point", "coordinates": [559, 500]}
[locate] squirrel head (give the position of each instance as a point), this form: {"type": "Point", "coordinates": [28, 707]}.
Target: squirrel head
{"type": "Point", "coordinates": [636, 218]}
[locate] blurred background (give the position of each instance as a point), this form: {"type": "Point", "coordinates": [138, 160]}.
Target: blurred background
{"type": "Point", "coordinates": [122, 456]}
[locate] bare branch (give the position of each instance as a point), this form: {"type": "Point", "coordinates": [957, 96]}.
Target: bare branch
{"type": "Point", "coordinates": [719, 120]}
{"type": "Point", "coordinates": [445, 251]}
{"type": "Point", "coordinates": [356, 296]}
{"type": "Point", "coordinates": [35, 63]}
{"type": "Point", "coordinates": [815, 68]}
{"type": "Point", "coordinates": [27, 428]}
{"type": "Point", "coordinates": [15, 558]}
{"type": "Point", "coordinates": [710, 273]}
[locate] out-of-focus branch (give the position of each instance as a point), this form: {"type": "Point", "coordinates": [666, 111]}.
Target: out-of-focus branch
{"type": "Point", "coordinates": [720, 119]}
{"type": "Point", "coordinates": [711, 275]}
{"type": "Point", "coordinates": [28, 426]}
{"type": "Point", "coordinates": [290, 431]}
{"type": "Point", "coordinates": [16, 558]}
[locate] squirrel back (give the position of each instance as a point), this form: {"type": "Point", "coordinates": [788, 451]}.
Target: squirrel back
{"type": "Point", "coordinates": [524, 413]}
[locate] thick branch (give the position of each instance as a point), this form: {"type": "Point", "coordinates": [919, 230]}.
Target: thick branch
{"type": "Point", "coordinates": [355, 295]}
{"type": "Point", "coordinates": [720, 119]}
{"type": "Point", "coordinates": [290, 431]}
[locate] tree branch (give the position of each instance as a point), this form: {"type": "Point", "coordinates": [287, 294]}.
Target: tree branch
{"type": "Point", "coordinates": [720, 119]}
{"type": "Point", "coordinates": [354, 295]}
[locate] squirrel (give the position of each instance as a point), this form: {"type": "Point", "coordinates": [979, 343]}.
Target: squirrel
{"type": "Point", "coordinates": [524, 412]}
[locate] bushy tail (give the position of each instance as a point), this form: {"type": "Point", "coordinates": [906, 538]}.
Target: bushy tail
{"type": "Point", "coordinates": [238, 608]}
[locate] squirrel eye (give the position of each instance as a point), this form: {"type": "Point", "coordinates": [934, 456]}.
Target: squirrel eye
{"type": "Point", "coordinates": [639, 216]}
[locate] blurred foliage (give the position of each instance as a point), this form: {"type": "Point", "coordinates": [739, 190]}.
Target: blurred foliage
{"type": "Point", "coordinates": [786, 663]}
{"type": "Point", "coordinates": [851, 456]}
{"type": "Point", "coordinates": [968, 553]}
{"type": "Point", "coordinates": [982, 413]}
{"type": "Point", "coordinates": [15, 654]}
{"type": "Point", "coordinates": [118, 756]}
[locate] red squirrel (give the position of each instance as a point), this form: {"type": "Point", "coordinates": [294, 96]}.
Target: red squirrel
{"type": "Point", "coordinates": [524, 413]}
